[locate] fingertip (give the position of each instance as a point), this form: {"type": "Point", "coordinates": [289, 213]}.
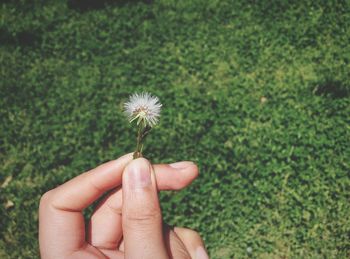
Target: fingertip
{"type": "Point", "coordinates": [175, 176]}
{"type": "Point", "coordinates": [185, 175]}
{"type": "Point", "coordinates": [126, 157]}
{"type": "Point", "coordinates": [194, 170]}
{"type": "Point", "coordinates": [137, 174]}
{"type": "Point", "coordinates": [141, 161]}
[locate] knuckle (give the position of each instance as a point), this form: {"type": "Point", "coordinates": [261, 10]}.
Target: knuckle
{"type": "Point", "coordinates": [143, 218]}
{"type": "Point", "coordinates": [46, 198]}
{"type": "Point", "coordinates": [183, 253]}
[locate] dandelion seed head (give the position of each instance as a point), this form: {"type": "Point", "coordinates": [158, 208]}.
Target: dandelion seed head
{"type": "Point", "coordinates": [143, 106]}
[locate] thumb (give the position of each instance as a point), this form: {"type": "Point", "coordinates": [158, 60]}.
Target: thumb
{"type": "Point", "coordinates": [141, 215]}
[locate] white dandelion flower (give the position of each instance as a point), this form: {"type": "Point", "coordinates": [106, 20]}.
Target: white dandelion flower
{"type": "Point", "coordinates": [143, 107]}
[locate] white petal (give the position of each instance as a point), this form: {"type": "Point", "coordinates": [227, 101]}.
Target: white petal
{"type": "Point", "coordinates": [146, 103]}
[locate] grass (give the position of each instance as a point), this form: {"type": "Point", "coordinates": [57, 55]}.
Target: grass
{"type": "Point", "coordinates": [256, 92]}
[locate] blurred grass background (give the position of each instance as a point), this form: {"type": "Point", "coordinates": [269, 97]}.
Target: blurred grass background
{"type": "Point", "coordinates": [256, 92]}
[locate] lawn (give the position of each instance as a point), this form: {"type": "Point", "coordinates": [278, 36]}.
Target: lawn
{"type": "Point", "coordinates": [256, 92]}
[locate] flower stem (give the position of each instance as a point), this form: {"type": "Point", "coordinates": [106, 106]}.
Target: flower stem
{"type": "Point", "coordinates": [142, 132]}
{"type": "Point", "coordinates": [138, 153]}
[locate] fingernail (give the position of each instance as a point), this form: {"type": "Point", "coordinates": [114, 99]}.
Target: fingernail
{"type": "Point", "coordinates": [201, 253]}
{"type": "Point", "coordinates": [181, 165]}
{"type": "Point", "coordinates": [139, 174]}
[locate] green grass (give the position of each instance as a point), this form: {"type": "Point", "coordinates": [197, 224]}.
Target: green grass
{"type": "Point", "coordinates": [256, 92]}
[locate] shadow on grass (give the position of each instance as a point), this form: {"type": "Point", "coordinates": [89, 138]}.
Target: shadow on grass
{"type": "Point", "coordinates": [23, 38]}
{"type": "Point", "coordinates": [86, 5]}
{"type": "Point", "coordinates": [332, 88]}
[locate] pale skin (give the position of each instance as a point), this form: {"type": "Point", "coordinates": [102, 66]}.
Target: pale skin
{"type": "Point", "coordinates": [127, 223]}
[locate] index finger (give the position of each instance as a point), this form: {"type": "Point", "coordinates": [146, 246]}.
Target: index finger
{"type": "Point", "coordinates": [61, 223]}
{"type": "Point", "coordinates": [79, 192]}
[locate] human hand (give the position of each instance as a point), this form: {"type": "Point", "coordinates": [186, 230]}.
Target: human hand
{"type": "Point", "coordinates": [125, 224]}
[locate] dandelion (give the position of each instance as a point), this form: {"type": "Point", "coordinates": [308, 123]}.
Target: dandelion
{"type": "Point", "coordinates": [145, 110]}
{"type": "Point", "coordinates": [249, 250]}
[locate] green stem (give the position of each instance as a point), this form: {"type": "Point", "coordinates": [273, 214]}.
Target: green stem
{"type": "Point", "coordinates": [138, 153]}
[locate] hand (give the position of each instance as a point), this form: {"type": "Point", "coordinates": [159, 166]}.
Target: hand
{"type": "Point", "coordinates": [125, 224]}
